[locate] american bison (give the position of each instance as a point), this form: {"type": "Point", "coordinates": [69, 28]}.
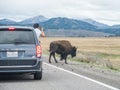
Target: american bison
{"type": "Point", "coordinates": [62, 47]}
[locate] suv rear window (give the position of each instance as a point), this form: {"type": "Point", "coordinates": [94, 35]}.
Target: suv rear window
{"type": "Point", "coordinates": [17, 37]}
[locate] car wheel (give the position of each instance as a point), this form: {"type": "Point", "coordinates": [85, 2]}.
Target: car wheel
{"type": "Point", "coordinates": [38, 75]}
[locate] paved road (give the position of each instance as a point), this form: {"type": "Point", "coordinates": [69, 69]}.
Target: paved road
{"type": "Point", "coordinates": [53, 79]}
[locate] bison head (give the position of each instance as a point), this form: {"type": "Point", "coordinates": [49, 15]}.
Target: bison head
{"type": "Point", "coordinates": [73, 51]}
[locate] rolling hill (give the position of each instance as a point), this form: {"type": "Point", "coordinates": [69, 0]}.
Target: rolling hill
{"type": "Point", "coordinates": [36, 19]}
{"type": "Point", "coordinates": [7, 22]}
{"type": "Point", "coordinates": [95, 23]}
{"type": "Point", "coordinates": [65, 23]}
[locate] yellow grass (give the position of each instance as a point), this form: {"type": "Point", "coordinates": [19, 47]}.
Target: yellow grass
{"type": "Point", "coordinates": [103, 48]}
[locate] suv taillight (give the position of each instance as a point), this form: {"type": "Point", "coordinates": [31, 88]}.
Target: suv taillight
{"type": "Point", "coordinates": [38, 51]}
{"type": "Point", "coordinates": [11, 28]}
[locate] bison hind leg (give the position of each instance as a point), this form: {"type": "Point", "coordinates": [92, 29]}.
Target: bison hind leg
{"type": "Point", "coordinates": [66, 60]}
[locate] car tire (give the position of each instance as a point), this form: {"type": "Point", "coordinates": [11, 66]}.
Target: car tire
{"type": "Point", "coordinates": [38, 75]}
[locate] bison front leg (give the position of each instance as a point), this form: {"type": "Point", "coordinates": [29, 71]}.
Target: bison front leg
{"type": "Point", "coordinates": [54, 57]}
{"type": "Point", "coordinates": [50, 57]}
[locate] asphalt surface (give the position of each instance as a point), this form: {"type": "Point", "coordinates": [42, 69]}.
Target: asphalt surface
{"type": "Point", "coordinates": [53, 79]}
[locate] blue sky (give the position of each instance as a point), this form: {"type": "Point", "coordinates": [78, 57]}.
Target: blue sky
{"type": "Point", "coordinates": [105, 11]}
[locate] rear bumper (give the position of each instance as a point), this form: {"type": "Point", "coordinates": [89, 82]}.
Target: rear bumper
{"type": "Point", "coordinates": [22, 69]}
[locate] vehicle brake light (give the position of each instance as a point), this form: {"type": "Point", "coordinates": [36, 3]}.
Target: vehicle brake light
{"type": "Point", "coordinates": [38, 51]}
{"type": "Point", "coordinates": [11, 28]}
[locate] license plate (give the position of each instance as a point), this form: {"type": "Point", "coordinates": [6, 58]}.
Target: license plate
{"type": "Point", "coordinates": [12, 54]}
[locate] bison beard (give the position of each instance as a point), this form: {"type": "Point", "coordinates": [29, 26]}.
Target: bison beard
{"type": "Point", "coordinates": [62, 47]}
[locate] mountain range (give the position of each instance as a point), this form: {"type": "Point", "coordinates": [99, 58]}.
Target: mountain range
{"type": "Point", "coordinates": [67, 24]}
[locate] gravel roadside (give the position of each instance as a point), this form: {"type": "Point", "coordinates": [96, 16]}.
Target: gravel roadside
{"type": "Point", "coordinates": [107, 76]}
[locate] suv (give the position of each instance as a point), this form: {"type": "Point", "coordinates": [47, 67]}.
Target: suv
{"type": "Point", "coordinates": [20, 51]}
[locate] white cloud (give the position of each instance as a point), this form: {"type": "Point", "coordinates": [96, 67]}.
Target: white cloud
{"type": "Point", "coordinates": [106, 11]}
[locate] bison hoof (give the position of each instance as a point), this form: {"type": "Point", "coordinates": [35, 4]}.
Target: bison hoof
{"type": "Point", "coordinates": [66, 63]}
{"type": "Point", "coordinates": [56, 61]}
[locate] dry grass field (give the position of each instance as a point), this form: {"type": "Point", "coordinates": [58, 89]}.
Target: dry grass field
{"type": "Point", "coordinates": [100, 51]}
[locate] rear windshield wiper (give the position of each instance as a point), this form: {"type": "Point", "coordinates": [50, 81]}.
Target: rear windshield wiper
{"type": "Point", "coordinates": [21, 42]}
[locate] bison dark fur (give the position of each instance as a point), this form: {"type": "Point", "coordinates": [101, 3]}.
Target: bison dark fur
{"type": "Point", "coordinates": [62, 47]}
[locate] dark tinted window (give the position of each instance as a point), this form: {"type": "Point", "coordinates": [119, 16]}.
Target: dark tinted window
{"type": "Point", "coordinates": [16, 37]}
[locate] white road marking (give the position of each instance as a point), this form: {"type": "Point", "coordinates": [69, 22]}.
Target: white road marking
{"type": "Point", "coordinates": [81, 76]}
